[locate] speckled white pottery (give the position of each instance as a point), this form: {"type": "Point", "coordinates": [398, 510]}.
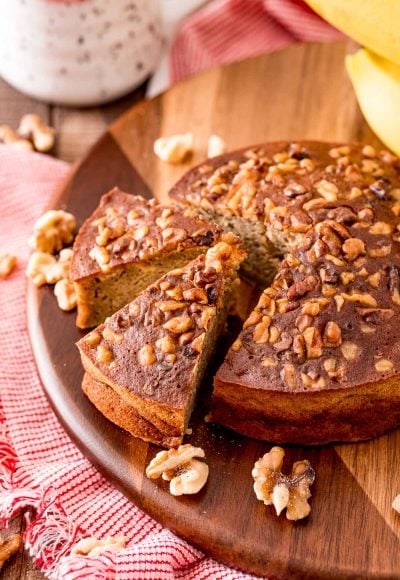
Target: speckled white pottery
{"type": "Point", "coordinates": [78, 53]}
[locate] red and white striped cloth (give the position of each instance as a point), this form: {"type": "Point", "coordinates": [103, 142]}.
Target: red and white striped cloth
{"type": "Point", "coordinates": [228, 30]}
{"type": "Point", "coordinates": [39, 466]}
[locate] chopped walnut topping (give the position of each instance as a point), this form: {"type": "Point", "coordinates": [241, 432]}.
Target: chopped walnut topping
{"type": "Point", "coordinates": [353, 247]}
{"type": "Point", "coordinates": [268, 361]}
{"type": "Point", "coordinates": [384, 366]}
{"type": "Point", "coordinates": [166, 344]}
{"type": "Point", "coordinates": [332, 368]}
{"type": "Point", "coordinates": [196, 295]}
{"type": "Point", "coordinates": [374, 280]}
{"type": "Point", "coordinates": [237, 345]}
{"type": "Point", "coordinates": [332, 335]}
{"type": "Point", "coordinates": [369, 151]}
{"type": "Point", "coordinates": [288, 375]}
{"type": "Point", "coordinates": [179, 324]}
{"type": "Point", "coordinates": [7, 264]}
{"type": "Point", "coordinates": [274, 334]}
{"type": "Point", "coordinates": [216, 254]}
{"type": "Point", "coordinates": [313, 341]}
{"type": "Point", "coordinates": [282, 491]}
{"type": "Point", "coordinates": [111, 336]}
{"type": "Point", "coordinates": [302, 287]}
{"type": "Point", "coordinates": [347, 277]}
{"type": "Point", "coordinates": [170, 305]}
{"type": "Point", "coordinates": [394, 284]}
{"type": "Point", "coordinates": [197, 343]}
{"type": "Point", "coordinates": [350, 350]}
{"type": "Point", "coordinates": [261, 330]}
{"type": "Point", "coordinates": [93, 338]}
{"type": "Point", "coordinates": [146, 355]}
{"type": "Point", "coordinates": [294, 189]}
{"type": "Point", "coordinates": [381, 228]}
{"type": "Point", "coordinates": [380, 251]}
{"type": "Point", "coordinates": [186, 474]}
{"type": "Point", "coordinates": [104, 354]}
{"type": "Point", "coordinates": [52, 231]}
{"type": "Point", "coordinates": [313, 382]}
{"type": "Point", "coordinates": [365, 299]}
{"type": "Point", "coordinates": [328, 190]}
{"type": "Point", "coordinates": [339, 302]}
{"type": "Point", "coordinates": [100, 255]}
{"type": "Point", "coordinates": [304, 321]}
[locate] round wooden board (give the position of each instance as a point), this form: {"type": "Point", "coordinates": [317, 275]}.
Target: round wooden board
{"type": "Point", "coordinates": [352, 532]}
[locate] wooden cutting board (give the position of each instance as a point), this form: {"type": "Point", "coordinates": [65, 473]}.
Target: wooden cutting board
{"type": "Point", "coordinates": [352, 532]}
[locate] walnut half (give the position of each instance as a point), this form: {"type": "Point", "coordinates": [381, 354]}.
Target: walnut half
{"type": "Point", "coordinates": [93, 547]}
{"type": "Point", "coordinates": [186, 474]}
{"type": "Point", "coordinates": [283, 491]}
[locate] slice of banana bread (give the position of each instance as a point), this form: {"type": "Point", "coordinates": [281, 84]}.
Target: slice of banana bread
{"type": "Point", "coordinates": [125, 245]}
{"type": "Point", "coordinates": [153, 352]}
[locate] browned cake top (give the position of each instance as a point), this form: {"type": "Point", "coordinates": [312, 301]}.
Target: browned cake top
{"type": "Point", "coordinates": [127, 228]}
{"type": "Point", "coordinates": [152, 345]}
{"type": "Point", "coordinates": [331, 316]}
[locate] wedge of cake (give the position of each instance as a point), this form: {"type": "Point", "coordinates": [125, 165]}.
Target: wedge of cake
{"type": "Point", "coordinates": [153, 352]}
{"type": "Point", "coordinates": [125, 245]}
{"type": "Point", "coordinates": [318, 359]}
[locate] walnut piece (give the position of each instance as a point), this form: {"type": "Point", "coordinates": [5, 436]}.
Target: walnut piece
{"type": "Point", "coordinates": [93, 547]}
{"type": "Point", "coordinates": [186, 474]}
{"type": "Point", "coordinates": [283, 491]}
{"type": "Point", "coordinates": [174, 149]}
{"type": "Point", "coordinates": [146, 355]}
{"type": "Point", "coordinates": [9, 137]}
{"type": "Point", "coordinates": [7, 264]}
{"type": "Point", "coordinates": [52, 231]}
{"type": "Point", "coordinates": [64, 291]}
{"type": "Point", "coordinates": [215, 146]}
{"type": "Point", "coordinates": [384, 365]}
{"type": "Point", "coordinates": [44, 268]}
{"type": "Point", "coordinates": [34, 128]}
{"type": "Point", "coordinates": [9, 547]}
{"type": "Point", "coordinates": [396, 503]}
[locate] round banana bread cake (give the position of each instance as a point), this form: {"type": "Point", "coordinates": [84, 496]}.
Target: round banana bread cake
{"type": "Point", "coordinates": [318, 359]}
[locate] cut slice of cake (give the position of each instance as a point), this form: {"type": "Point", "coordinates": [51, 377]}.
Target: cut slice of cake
{"type": "Point", "coordinates": [153, 352]}
{"type": "Point", "coordinates": [127, 244]}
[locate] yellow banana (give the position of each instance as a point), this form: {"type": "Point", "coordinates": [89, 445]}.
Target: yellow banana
{"type": "Point", "coordinates": [376, 82]}
{"type": "Point", "coordinates": [373, 23]}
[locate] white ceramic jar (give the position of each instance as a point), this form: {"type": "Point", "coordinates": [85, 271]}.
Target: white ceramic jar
{"type": "Point", "coordinates": [81, 52]}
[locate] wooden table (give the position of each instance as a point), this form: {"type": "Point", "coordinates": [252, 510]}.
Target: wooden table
{"type": "Point", "coordinates": [77, 130]}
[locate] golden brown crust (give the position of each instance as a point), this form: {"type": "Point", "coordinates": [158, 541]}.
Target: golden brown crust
{"type": "Point", "coordinates": [307, 418]}
{"type": "Point", "coordinates": [113, 406]}
{"type": "Point", "coordinates": [325, 327]}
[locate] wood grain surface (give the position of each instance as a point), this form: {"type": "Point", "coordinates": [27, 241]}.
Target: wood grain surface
{"type": "Point", "coordinates": [301, 92]}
